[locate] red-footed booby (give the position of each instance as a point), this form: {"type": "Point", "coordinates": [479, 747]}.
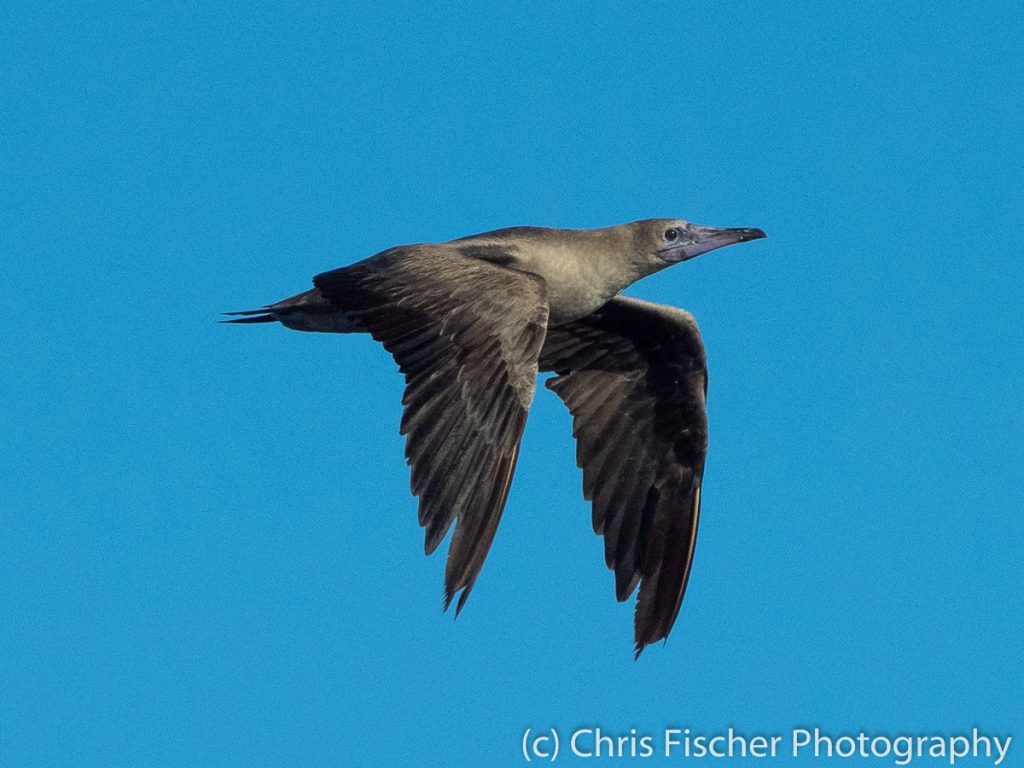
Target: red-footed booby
{"type": "Point", "coordinates": [472, 321]}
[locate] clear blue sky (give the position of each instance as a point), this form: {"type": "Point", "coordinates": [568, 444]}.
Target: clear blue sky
{"type": "Point", "coordinates": [208, 552]}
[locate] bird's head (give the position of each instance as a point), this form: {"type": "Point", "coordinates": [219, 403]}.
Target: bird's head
{"type": "Point", "coordinates": [661, 242]}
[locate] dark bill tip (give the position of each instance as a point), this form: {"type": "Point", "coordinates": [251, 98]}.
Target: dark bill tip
{"type": "Point", "coordinates": [752, 233]}
{"type": "Point", "coordinates": [698, 240]}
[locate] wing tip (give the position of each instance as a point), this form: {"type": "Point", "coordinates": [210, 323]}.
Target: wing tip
{"type": "Point", "coordinates": [449, 595]}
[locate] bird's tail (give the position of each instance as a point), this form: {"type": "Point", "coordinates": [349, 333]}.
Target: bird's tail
{"type": "Point", "coordinates": [308, 311]}
{"type": "Point", "coordinates": [274, 312]}
{"type": "Point", "coordinates": [252, 316]}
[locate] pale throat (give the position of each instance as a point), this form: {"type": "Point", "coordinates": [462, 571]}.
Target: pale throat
{"type": "Point", "coordinates": [579, 281]}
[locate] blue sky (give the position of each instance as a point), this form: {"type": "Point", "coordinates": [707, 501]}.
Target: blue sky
{"type": "Point", "coordinates": [208, 552]}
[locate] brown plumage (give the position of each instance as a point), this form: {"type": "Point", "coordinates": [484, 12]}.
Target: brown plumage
{"type": "Point", "coordinates": [472, 321]}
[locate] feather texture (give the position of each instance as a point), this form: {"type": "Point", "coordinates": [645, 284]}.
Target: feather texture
{"type": "Point", "coordinates": [634, 376]}
{"type": "Point", "coordinates": [466, 333]}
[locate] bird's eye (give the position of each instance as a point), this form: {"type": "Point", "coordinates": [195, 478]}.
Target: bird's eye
{"type": "Point", "coordinates": [671, 234]}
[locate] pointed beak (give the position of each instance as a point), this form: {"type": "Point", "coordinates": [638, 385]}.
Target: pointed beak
{"type": "Point", "coordinates": [696, 240]}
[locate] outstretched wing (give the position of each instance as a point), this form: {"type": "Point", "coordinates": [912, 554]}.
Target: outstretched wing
{"type": "Point", "coordinates": [634, 377]}
{"type": "Point", "coordinates": [466, 334]}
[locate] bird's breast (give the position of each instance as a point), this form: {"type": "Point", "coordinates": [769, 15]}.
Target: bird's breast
{"type": "Point", "coordinates": [568, 302]}
{"type": "Point", "coordinates": [578, 281]}
{"type": "Point", "coordinates": [574, 291]}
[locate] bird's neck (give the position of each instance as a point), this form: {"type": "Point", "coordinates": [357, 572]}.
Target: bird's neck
{"type": "Point", "coordinates": [582, 270]}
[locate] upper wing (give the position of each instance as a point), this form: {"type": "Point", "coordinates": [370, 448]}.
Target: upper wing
{"type": "Point", "coordinates": [466, 334]}
{"type": "Point", "coordinates": [634, 377]}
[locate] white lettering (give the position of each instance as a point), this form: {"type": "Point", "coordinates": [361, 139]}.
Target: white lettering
{"type": "Point", "coordinates": [1002, 748]}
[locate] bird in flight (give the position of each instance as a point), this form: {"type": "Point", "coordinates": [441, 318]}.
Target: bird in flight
{"type": "Point", "coordinates": [472, 321]}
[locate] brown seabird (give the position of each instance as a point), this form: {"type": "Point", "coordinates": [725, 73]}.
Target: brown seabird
{"type": "Point", "coordinates": [472, 321]}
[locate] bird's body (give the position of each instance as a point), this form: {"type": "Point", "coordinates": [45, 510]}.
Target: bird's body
{"type": "Point", "coordinates": [472, 321]}
{"type": "Point", "coordinates": [575, 286]}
